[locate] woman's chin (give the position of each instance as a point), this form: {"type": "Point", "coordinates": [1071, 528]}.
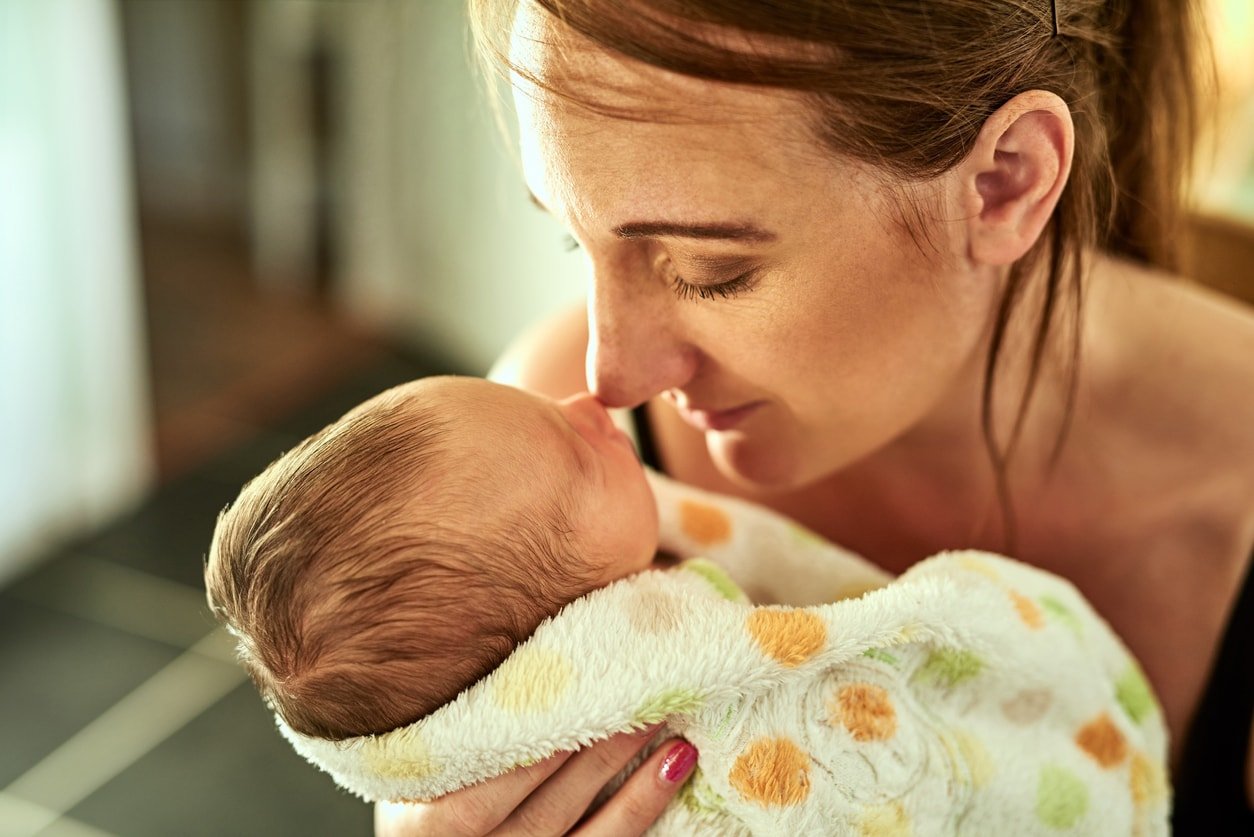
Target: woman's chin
{"type": "Point", "coordinates": [751, 464]}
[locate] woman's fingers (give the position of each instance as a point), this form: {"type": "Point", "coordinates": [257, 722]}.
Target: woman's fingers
{"type": "Point", "coordinates": [545, 798]}
{"type": "Point", "coordinates": [640, 801]}
{"type": "Point", "coordinates": [564, 798]}
{"type": "Point", "coordinates": [470, 812]}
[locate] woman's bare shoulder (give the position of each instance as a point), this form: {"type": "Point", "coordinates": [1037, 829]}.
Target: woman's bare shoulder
{"type": "Point", "coordinates": [548, 357]}
{"type": "Point", "coordinates": [1189, 348]}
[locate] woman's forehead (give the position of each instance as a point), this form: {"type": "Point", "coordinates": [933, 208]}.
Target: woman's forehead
{"type": "Point", "coordinates": [605, 138]}
{"type": "Point", "coordinates": [584, 165]}
{"type": "Point", "coordinates": [559, 71]}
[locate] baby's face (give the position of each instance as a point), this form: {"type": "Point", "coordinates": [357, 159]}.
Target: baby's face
{"type": "Point", "coordinates": [535, 444]}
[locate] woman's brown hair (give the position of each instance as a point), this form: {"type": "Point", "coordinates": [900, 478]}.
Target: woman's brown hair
{"type": "Point", "coordinates": [906, 85]}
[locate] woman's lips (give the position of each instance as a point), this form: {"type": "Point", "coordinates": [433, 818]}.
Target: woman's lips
{"type": "Point", "coordinates": [706, 420]}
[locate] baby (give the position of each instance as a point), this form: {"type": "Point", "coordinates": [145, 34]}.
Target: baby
{"type": "Point", "coordinates": [391, 582]}
{"type": "Point", "coordinates": [400, 554]}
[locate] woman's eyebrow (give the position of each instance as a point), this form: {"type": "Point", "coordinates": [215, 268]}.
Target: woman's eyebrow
{"type": "Point", "coordinates": [729, 232]}
{"type": "Point", "coordinates": [660, 229]}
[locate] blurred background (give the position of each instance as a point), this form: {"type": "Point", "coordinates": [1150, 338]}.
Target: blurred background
{"type": "Point", "coordinates": [223, 223]}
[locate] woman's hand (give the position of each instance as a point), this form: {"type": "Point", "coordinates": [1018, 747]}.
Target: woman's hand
{"type": "Point", "coordinates": [551, 796]}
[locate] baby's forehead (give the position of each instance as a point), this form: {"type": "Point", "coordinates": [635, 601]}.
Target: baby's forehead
{"type": "Point", "coordinates": [498, 426]}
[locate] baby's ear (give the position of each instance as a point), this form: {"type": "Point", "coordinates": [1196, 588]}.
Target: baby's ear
{"type": "Point", "coordinates": [1013, 177]}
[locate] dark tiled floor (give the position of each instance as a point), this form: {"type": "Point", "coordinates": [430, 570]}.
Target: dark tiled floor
{"type": "Point", "coordinates": [60, 672]}
{"type": "Point", "coordinates": [226, 773]}
{"type": "Point", "coordinates": [90, 626]}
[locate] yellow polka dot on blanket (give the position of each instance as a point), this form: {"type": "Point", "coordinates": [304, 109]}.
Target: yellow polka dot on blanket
{"type": "Point", "coordinates": [788, 636]}
{"type": "Point", "coordinates": [888, 820]}
{"type": "Point", "coordinates": [705, 524]}
{"type": "Point", "coordinates": [980, 767]}
{"type": "Point", "coordinates": [1148, 780]}
{"type": "Point", "coordinates": [772, 772]}
{"type": "Point", "coordinates": [865, 710]}
{"type": "Point", "coordinates": [1102, 740]}
{"type": "Point", "coordinates": [398, 755]}
{"type": "Point", "coordinates": [978, 565]}
{"type": "Point", "coordinates": [857, 590]}
{"type": "Point", "coordinates": [1028, 611]}
{"type": "Point", "coordinates": [531, 680]}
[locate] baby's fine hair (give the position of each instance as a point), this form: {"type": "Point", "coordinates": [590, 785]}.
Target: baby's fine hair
{"type": "Point", "coordinates": [365, 580]}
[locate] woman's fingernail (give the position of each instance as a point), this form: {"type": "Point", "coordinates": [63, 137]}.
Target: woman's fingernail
{"type": "Point", "coordinates": [679, 762]}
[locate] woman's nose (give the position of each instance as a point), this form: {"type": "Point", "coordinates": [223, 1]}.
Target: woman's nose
{"type": "Point", "coordinates": [634, 348]}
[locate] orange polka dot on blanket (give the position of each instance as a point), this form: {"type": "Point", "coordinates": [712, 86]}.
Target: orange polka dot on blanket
{"type": "Point", "coordinates": [707, 525]}
{"type": "Point", "coordinates": [865, 710]}
{"type": "Point", "coordinates": [772, 772]}
{"type": "Point", "coordinates": [1028, 611]}
{"type": "Point", "coordinates": [788, 636]}
{"type": "Point", "coordinates": [1102, 740]}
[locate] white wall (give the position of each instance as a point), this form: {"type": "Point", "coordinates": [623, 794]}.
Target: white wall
{"type": "Point", "coordinates": [440, 238]}
{"type": "Point", "coordinates": [73, 398]}
{"type": "Point", "coordinates": [184, 61]}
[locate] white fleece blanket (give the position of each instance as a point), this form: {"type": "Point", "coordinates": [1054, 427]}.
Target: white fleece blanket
{"type": "Point", "coordinates": [972, 695]}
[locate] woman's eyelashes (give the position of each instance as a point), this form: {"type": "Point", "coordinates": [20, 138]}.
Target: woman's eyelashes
{"type": "Point", "coordinates": [726, 289]}
{"type": "Point", "coordinates": [741, 277]}
{"type": "Point", "coordinates": [723, 290]}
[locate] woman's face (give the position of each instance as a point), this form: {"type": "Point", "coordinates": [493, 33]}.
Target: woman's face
{"type": "Point", "coordinates": [761, 284]}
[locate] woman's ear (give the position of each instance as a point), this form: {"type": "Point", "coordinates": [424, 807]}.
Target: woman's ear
{"type": "Point", "coordinates": [1013, 177]}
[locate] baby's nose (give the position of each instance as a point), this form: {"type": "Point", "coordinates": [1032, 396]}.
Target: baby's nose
{"type": "Point", "coordinates": [590, 411]}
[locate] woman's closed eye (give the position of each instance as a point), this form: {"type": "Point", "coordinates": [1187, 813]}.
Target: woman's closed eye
{"type": "Point", "coordinates": [736, 284]}
{"type": "Point", "coordinates": [721, 278]}
{"type": "Point", "coordinates": [724, 290]}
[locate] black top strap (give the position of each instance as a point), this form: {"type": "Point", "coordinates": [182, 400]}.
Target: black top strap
{"type": "Point", "coordinates": [644, 437]}
{"type": "Point", "coordinates": [1210, 795]}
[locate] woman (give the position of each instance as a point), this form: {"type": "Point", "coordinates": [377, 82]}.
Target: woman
{"type": "Point", "coordinates": [900, 270]}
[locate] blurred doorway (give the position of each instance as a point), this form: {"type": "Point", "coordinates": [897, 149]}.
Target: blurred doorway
{"type": "Point", "coordinates": [235, 341]}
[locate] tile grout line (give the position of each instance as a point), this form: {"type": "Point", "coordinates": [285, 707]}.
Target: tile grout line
{"type": "Point", "coordinates": [26, 819]}
{"type": "Point", "coordinates": [103, 591]}
{"type": "Point", "coordinates": [128, 730]}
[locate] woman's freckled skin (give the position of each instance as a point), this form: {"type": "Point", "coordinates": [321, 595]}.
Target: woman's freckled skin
{"type": "Point", "coordinates": [890, 341]}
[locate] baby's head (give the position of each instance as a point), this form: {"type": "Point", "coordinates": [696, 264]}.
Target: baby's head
{"type": "Point", "coordinates": [397, 556]}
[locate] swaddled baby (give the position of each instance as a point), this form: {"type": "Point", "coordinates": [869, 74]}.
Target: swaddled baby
{"type": "Point", "coordinates": [395, 557]}
{"type": "Point", "coordinates": [381, 576]}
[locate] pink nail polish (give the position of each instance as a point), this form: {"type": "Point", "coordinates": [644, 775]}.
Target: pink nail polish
{"type": "Point", "coordinates": [679, 762]}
